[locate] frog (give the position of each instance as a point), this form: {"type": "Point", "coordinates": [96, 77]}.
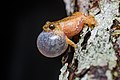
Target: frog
{"type": "Point", "coordinates": [64, 30]}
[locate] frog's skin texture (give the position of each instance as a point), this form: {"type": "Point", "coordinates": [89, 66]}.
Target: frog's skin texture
{"type": "Point", "coordinates": [63, 29]}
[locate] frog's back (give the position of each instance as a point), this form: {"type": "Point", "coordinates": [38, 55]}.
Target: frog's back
{"type": "Point", "coordinates": [72, 25]}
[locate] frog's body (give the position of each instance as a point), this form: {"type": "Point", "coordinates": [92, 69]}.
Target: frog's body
{"type": "Point", "coordinates": [71, 25]}
{"type": "Point", "coordinates": [54, 39]}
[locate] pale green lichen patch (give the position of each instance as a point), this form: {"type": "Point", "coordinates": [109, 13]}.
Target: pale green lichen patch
{"type": "Point", "coordinates": [109, 75]}
{"type": "Point", "coordinates": [64, 73]}
{"type": "Point", "coordinates": [99, 49]}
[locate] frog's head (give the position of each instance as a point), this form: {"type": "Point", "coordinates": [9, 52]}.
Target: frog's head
{"type": "Point", "coordinates": [51, 26]}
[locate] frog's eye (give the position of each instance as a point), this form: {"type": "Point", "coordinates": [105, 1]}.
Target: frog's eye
{"type": "Point", "coordinates": [52, 27]}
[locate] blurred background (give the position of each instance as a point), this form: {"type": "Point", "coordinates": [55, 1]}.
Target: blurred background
{"type": "Point", "coordinates": [23, 23]}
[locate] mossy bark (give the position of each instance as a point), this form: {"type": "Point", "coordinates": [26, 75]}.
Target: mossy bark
{"type": "Point", "coordinates": [98, 54]}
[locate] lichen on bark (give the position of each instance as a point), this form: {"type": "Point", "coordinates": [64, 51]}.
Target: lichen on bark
{"type": "Point", "coordinates": [96, 56]}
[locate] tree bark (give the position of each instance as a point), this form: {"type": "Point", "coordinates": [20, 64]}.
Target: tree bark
{"type": "Point", "coordinates": [97, 56]}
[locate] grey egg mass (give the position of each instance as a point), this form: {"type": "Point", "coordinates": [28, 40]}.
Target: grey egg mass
{"type": "Point", "coordinates": [51, 44]}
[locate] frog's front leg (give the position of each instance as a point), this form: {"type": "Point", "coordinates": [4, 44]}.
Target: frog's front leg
{"type": "Point", "coordinates": [70, 42]}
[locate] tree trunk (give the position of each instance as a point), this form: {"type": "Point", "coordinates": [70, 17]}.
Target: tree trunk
{"type": "Point", "coordinates": [97, 56]}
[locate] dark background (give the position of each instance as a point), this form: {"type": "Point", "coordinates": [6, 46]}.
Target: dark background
{"type": "Point", "coordinates": [23, 23]}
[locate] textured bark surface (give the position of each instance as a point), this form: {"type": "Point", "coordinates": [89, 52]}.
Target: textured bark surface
{"type": "Point", "coordinates": [98, 54]}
